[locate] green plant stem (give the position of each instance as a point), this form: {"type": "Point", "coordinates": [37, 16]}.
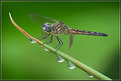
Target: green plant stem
{"type": "Point", "coordinates": [80, 65]}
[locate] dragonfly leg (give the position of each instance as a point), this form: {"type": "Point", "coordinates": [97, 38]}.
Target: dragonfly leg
{"type": "Point", "coordinates": [43, 37]}
{"type": "Point", "coordinates": [60, 43]}
{"type": "Point", "coordinates": [50, 40]}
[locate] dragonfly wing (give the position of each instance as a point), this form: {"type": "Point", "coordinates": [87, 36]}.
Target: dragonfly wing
{"type": "Point", "coordinates": [71, 40]}
{"type": "Point", "coordinates": [41, 19]}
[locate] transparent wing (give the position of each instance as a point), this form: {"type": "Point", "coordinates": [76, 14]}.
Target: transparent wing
{"type": "Point", "coordinates": [71, 40]}
{"type": "Point", "coordinates": [41, 19]}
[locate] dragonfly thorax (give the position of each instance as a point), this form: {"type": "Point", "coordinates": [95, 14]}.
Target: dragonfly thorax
{"type": "Point", "coordinates": [47, 27]}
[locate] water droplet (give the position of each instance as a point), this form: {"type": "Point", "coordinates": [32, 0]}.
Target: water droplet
{"type": "Point", "coordinates": [91, 76]}
{"type": "Point", "coordinates": [44, 48]}
{"type": "Point", "coordinates": [33, 41]}
{"type": "Point", "coordinates": [60, 59]}
{"type": "Point", "coordinates": [71, 65]}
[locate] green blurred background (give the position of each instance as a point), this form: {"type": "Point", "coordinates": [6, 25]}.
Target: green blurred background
{"type": "Point", "coordinates": [23, 60]}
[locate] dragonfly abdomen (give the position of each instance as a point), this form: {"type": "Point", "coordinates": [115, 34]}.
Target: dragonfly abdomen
{"type": "Point", "coordinates": [74, 31]}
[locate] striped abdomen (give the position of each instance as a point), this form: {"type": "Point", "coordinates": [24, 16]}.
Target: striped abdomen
{"type": "Point", "coordinates": [74, 31]}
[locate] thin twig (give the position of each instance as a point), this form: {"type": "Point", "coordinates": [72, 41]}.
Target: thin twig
{"type": "Point", "coordinates": [80, 65]}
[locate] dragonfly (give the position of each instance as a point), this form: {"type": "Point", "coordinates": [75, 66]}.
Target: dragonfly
{"type": "Point", "coordinates": [53, 27]}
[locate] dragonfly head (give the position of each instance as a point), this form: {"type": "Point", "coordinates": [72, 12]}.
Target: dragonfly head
{"type": "Point", "coordinates": [47, 27]}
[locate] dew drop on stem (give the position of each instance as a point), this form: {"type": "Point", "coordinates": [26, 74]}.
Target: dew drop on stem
{"type": "Point", "coordinates": [44, 48]}
{"type": "Point", "coordinates": [60, 59]}
{"type": "Point", "coordinates": [90, 76]}
{"type": "Point", "coordinates": [33, 41]}
{"type": "Point", "coordinates": [71, 65]}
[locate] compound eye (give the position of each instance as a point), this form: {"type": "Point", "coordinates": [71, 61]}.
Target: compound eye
{"type": "Point", "coordinates": [43, 28]}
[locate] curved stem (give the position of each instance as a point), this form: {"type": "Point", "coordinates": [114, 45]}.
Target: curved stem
{"type": "Point", "coordinates": [80, 65]}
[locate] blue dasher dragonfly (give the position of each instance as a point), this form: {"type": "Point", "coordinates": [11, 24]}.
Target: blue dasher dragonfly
{"type": "Point", "coordinates": [53, 27]}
